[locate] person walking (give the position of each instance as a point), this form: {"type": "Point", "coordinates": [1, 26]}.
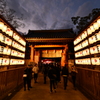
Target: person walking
{"type": "Point", "coordinates": [27, 76]}
{"type": "Point", "coordinates": [57, 69]}
{"type": "Point", "coordinates": [35, 71]}
{"type": "Point", "coordinates": [45, 72]}
{"type": "Point", "coordinates": [52, 77]}
{"type": "Point", "coordinates": [65, 75]}
{"type": "Point", "coordinates": [73, 75]}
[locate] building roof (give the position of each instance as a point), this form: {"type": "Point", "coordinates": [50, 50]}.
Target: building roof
{"type": "Point", "coordinates": [63, 33]}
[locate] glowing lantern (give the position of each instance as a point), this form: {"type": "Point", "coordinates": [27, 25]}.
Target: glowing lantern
{"type": "Point", "coordinates": [5, 61]}
{"type": "Point", "coordinates": [86, 52]}
{"type": "Point", "coordinates": [84, 34]}
{"type": "Point", "coordinates": [89, 31]}
{"type": "Point", "coordinates": [96, 26]}
{"type": "Point", "coordinates": [1, 37]}
{"type": "Point", "coordinates": [8, 40]}
{"type": "Point", "coordinates": [98, 21]}
{"type": "Point", "coordinates": [9, 32]}
{"type": "Point", "coordinates": [13, 61]}
{"type": "Point", "coordinates": [1, 60]}
{"type": "Point", "coordinates": [93, 50]}
{"type": "Point", "coordinates": [98, 36]}
{"type": "Point", "coordinates": [1, 25]}
{"type": "Point", "coordinates": [92, 39]}
{"type": "Point", "coordinates": [1, 49]}
{"type": "Point", "coordinates": [92, 28]}
{"type": "Point", "coordinates": [4, 28]}
{"type": "Point", "coordinates": [95, 61]}
{"type": "Point", "coordinates": [84, 43]}
{"type": "Point", "coordinates": [98, 46]}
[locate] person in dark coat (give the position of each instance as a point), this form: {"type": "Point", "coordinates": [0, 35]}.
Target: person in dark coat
{"type": "Point", "coordinates": [73, 74]}
{"type": "Point", "coordinates": [45, 72]}
{"type": "Point", "coordinates": [65, 74]}
{"type": "Point", "coordinates": [58, 72]}
{"type": "Point", "coordinates": [30, 75]}
{"type": "Point", "coordinates": [52, 77]}
{"type": "Point", "coordinates": [27, 76]}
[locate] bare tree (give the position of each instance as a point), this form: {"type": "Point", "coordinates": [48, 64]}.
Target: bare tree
{"type": "Point", "coordinates": [9, 15]}
{"type": "Point", "coordinates": [81, 22]}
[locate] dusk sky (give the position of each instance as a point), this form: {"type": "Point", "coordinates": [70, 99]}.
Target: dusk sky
{"type": "Point", "coordinates": [51, 14]}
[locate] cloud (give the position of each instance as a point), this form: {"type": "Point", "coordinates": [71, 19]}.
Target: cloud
{"type": "Point", "coordinates": [38, 21]}
{"type": "Point", "coordinates": [84, 9]}
{"type": "Point", "coordinates": [50, 14]}
{"type": "Point", "coordinates": [66, 12]}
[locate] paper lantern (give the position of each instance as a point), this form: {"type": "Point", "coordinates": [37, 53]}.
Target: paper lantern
{"type": "Point", "coordinates": [13, 62]}
{"type": "Point", "coordinates": [92, 39]}
{"type": "Point", "coordinates": [89, 31]}
{"type": "Point", "coordinates": [84, 34]}
{"type": "Point", "coordinates": [98, 46]}
{"type": "Point", "coordinates": [8, 41]}
{"type": "Point", "coordinates": [98, 36]}
{"type": "Point", "coordinates": [95, 61]}
{"type": "Point", "coordinates": [1, 25]}
{"type": "Point", "coordinates": [92, 28]}
{"type": "Point", "coordinates": [4, 28]}
{"type": "Point", "coordinates": [85, 43]}
{"type": "Point", "coordinates": [1, 60]}
{"type": "Point", "coordinates": [1, 49]}
{"type": "Point", "coordinates": [95, 25]}
{"type": "Point", "coordinates": [9, 32]}
{"type": "Point", "coordinates": [98, 21]}
{"type": "Point", "coordinates": [93, 50]}
{"type": "Point", "coordinates": [5, 61]}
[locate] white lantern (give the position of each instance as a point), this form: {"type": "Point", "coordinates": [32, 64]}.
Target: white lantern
{"type": "Point", "coordinates": [98, 36]}
{"type": "Point", "coordinates": [96, 26]}
{"type": "Point", "coordinates": [92, 39]}
{"type": "Point", "coordinates": [92, 28]}
{"type": "Point", "coordinates": [95, 61]}
{"type": "Point", "coordinates": [89, 31]}
{"type": "Point", "coordinates": [1, 25]}
{"type": "Point", "coordinates": [11, 33]}
{"type": "Point", "coordinates": [5, 61]}
{"type": "Point", "coordinates": [98, 46]}
{"type": "Point", "coordinates": [1, 60]}
{"type": "Point", "coordinates": [4, 28]}
{"type": "Point", "coordinates": [93, 50]}
{"type": "Point", "coordinates": [98, 21]}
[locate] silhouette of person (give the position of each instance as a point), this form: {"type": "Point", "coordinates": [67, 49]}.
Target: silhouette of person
{"type": "Point", "coordinates": [52, 77]}
{"type": "Point", "coordinates": [35, 71]}
{"type": "Point", "coordinates": [65, 75]}
{"type": "Point", "coordinates": [45, 72]}
{"type": "Point", "coordinates": [73, 74]}
{"type": "Point", "coordinates": [27, 76]}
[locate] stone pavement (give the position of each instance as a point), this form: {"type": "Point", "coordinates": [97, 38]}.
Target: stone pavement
{"type": "Point", "coordinates": [40, 91]}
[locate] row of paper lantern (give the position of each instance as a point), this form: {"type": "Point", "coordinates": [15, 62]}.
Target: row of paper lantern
{"type": "Point", "coordinates": [5, 39]}
{"type": "Point", "coordinates": [17, 54]}
{"type": "Point", "coordinates": [90, 30]}
{"type": "Point", "coordinates": [90, 40]}
{"type": "Point", "coordinates": [92, 50]}
{"type": "Point", "coordinates": [7, 61]}
{"type": "Point", "coordinates": [8, 51]}
{"type": "Point", "coordinates": [51, 51]}
{"type": "Point", "coordinates": [18, 46]}
{"type": "Point", "coordinates": [51, 54]}
{"type": "Point", "coordinates": [19, 39]}
{"type": "Point", "coordinates": [8, 41]}
{"type": "Point", "coordinates": [88, 61]}
{"type": "Point", "coordinates": [9, 31]}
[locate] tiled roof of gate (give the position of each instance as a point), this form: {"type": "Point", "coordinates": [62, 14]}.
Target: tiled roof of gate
{"type": "Point", "coordinates": [63, 33]}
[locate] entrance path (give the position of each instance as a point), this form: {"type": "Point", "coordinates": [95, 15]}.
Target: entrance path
{"type": "Point", "coordinates": [40, 91]}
